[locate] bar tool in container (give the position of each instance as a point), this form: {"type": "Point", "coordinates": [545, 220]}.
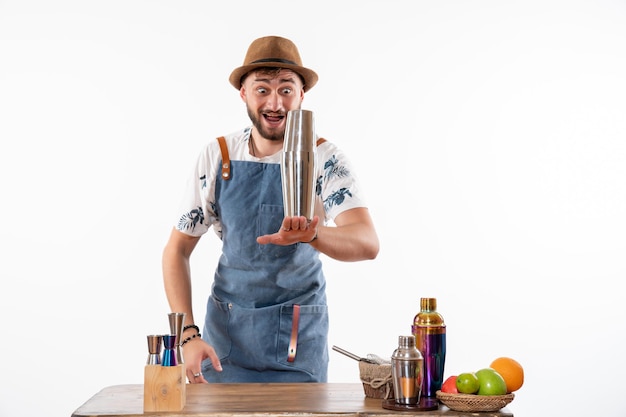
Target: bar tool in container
{"type": "Point", "coordinates": [154, 349]}
{"type": "Point", "coordinates": [375, 374]}
{"type": "Point", "coordinates": [164, 381]}
{"type": "Point", "coordinates": [177, 321]}
{"type": "Point", "coordinates": [298, 164]}
{"type": "Point", "coordinates": [169, 350]}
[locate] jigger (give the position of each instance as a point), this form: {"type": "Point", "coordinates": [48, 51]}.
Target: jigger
{"type": "Point", "coordinates": [154, 349]}
{"type": "Point", "coordinates": [169, 353]}
{"type": "Point", "coordinates": [177, 321]}
{"type": "Point", "coordinates": [298, 164]}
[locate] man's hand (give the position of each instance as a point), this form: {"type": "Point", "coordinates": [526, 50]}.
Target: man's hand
{"type": "Point", "coordinates": [293, 230]}
{"type": "Point", "coordinates": [194, 352]}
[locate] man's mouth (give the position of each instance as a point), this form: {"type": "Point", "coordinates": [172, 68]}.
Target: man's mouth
{"type": "Point", "coordinates": [273, 118]}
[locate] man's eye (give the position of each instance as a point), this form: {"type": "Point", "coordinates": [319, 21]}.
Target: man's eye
{"type": "Point", "coordinates": [286, 90]}
{"type": "Point", "coordinates": [261, 90]}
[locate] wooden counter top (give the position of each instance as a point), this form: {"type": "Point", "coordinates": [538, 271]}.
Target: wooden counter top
{"type": "Point", "coordinates": [238, 400]}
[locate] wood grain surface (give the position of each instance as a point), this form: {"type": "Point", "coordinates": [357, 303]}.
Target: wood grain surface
{"type": "Point", "coordinates": [259, 400]}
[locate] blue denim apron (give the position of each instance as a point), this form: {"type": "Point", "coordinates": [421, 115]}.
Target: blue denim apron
{"type": "Point", "coordinates": [250, 312]}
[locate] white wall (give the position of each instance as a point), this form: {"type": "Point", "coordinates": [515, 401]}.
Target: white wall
{"type": "Point", "coordinates": [489, 136]}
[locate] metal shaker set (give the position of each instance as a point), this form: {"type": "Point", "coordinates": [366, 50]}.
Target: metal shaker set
{"type": "Point", "coordinates": [165, 349]}
{"type": "Point", "coordinates": [417, 365]}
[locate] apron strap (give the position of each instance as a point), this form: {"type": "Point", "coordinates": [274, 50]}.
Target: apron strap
{"type": "Point", "coordinates": [293, 343]}
{"type": "Point", "coordinates": [225, 158]}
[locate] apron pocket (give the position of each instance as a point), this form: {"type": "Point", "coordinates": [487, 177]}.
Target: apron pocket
{"type": "Point", "coordinates": [216, 329]}
{"type": "Point", "coordinates": [312, 347]}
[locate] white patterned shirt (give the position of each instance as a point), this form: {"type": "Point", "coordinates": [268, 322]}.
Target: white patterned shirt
{"type": "Point", "coordinates": [337, 188]}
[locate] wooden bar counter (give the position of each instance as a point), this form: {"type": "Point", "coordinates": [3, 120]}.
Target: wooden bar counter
{"type": "Point", "coordinates": [258, 400]}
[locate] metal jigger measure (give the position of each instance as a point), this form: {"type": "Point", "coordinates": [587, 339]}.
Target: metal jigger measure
{"type": "Point", "coordinates": [169, 352]}
{"type": "Point", "coordinates": [298, 164]}
{"type": "Point", "coordinates": [177, 321]}
{"type": "Point", "coordinates": [154, 349]}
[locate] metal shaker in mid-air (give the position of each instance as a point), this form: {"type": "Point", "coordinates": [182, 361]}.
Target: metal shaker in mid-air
{"type": "Point", "coordinates": [298, 164]}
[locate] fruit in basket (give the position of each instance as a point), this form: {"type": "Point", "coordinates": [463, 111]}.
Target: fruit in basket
{"type": "Point", "coordinates": [449, 385]}
{"type": "Point", "coordinates": [511, 371]}
{"type": "Point", "coordinates": [490, 382]}
{"type": "Point", "coordinates": [467, 383]}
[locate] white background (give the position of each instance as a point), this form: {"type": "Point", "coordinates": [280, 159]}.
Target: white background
{"type": "Point", "coordinates": [488, 135]}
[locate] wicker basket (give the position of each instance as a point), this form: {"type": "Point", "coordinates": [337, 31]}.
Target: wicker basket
{"type": "Point", "coordinates": [376, 379]}
{"type": "Point", "coordinates": [473, 402]}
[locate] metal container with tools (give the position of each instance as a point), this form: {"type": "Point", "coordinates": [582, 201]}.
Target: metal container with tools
{"type": "Point", "coordinates": [375, 373]}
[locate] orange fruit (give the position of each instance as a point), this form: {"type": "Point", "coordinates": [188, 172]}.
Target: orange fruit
{"type": "Point", "coordinates": [511, 371]}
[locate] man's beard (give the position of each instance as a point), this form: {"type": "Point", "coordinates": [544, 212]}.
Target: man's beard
{"type": "Point", "coordinates": [271, 135]}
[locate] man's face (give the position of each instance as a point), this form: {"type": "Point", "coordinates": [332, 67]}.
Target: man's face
{"type": "Point", "coordinates": [268, 98]}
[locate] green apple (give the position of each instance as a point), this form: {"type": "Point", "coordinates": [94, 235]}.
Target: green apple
{"type": "Point", "coordinates": [490, 382]}
{"type": "Point", "coordinates": [467, 383]}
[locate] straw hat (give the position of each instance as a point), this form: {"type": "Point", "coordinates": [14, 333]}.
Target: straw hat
{"type": "Point", "coordinates": [274, 52]}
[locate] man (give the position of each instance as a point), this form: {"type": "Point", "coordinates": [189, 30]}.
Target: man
{"type": "Point", "coordinates": [266, 318]}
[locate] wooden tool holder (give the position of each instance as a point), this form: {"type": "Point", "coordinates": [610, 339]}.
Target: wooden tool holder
{"type": "Point", "coordinates": [164, 388]}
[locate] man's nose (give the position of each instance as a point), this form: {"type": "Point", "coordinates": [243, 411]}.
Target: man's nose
{"type": "Point", "coordinates": [274, 101]}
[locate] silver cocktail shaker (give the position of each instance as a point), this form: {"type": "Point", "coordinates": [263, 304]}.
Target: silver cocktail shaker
{"type": "Point", "coordinates": [298, 164]}
{"type": "Point", "coordinates": [407, 366]}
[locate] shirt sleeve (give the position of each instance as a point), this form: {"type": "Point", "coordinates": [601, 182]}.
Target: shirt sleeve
{"type": "Point", "coordinates": [337, 184]}
{"type": "Point", "coordinates": [197, 206]}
